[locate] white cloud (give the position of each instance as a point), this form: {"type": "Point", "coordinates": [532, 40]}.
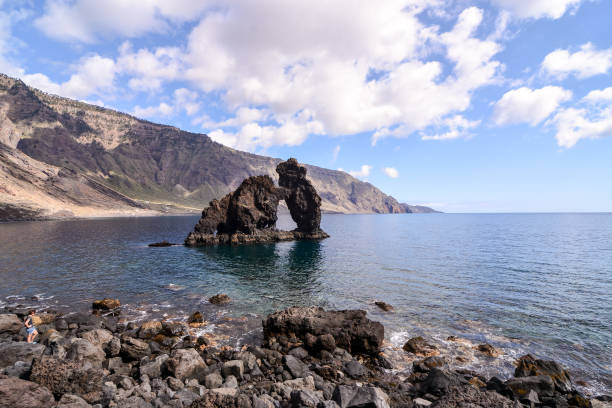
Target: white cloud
{"type": "Point", "coordinates": [335, 153]}
{"type": "Point", "coordinates": [574, 124]}
{"type": "Point", "coordinates": [90, 20]}
{"type": "Point", "coordinates": [149, 68]}
{"type": "Point", "coordinates": [183, 100]}
{"type": "Point", "coordinates": [364, 172]}
{"type": "Point", "coordinates": [163, 109]}
{"type": "Point", "coordinates": [94, 75]}
{"type": "Point", "coordinates": [391, 172]}
{"type": "Point", "coordinates": [457, 126]}
{"type": "Point", "coordinates": [525, 105]}
{"type": "Point", "coordinates": [583, 64]}
{"type": "Point", "coordinates": [599, 95]}
{"type": "Point", "coordinates": [538, 8]}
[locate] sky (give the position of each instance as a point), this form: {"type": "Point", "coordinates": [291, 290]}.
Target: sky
{"type": "Point", "coordinates": [466, 106]}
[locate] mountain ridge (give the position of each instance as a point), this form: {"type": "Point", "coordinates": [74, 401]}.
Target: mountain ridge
{"type": "Point", "coordinates": [107, 163]}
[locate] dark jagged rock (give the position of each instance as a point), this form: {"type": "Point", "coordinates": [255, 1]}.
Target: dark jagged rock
{"type": "Point", "coordinates": [301, 197]}
{"type": "Point", "coordinates": [249, 214]}
{"type": "Point", "coordinates": [162, 244]}
{"type": "Point", "coordinates": [530, 366]}
{"type": "Point", "coordinates": [351, 329]}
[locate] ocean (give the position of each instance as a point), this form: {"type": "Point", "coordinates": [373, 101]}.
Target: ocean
{"type": "Point", "coordinates": [525, 283]}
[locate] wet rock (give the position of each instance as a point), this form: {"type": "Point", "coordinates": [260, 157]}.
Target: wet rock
{"type": "Point", "coordinates": [233, 367]}
{"type": "Point", "coordinates": [529, 366]}
{"type": "Point", "coordinates": [418, 346]}
{"type": "Point", "coordinates": [15, 351]}
{"type": "Point", "coordinates": [353, 396]}
{"type": "Point", "coordinates": [106, 304]}
{"type": "Point", "coordinates": [575, 399]}
{"type": "Point", "coordinates": [161, 244]}
{"type": "Point", "coordinates": [186, 363]}
{"type": "Point", "coordinates": [134, 349]}
{"type": "Point", "coordinates": [351, 329]}
{"type": "Point", "coordinates": [497, 385]}
{"type": "Point", "coordinates": [174, 329]}
{"type": "Point", "coordinates": [10, 323]}
{"type": "Point", "coordinates": [542, 384]}
{"type": "Point", "coordinates": [17, 393]}
{"type": "Point", "coordinates": [488, 350]}
{"type": "Point", "coordinates": [62, 376]}
{"type": "Point", "coordinates": [220, 299]}
{"type": "Point", "coordinates": [423, 366]}
{"type": "Point", "coordinates": [384, 306]}
{"type": "Point", "coordinates": [149, 329]}
{"type": "Point", "coordinates": [195, 317]}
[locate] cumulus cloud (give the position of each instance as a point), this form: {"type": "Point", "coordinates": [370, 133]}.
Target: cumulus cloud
{"type": "Point", "coordinates": [574, 124]}
{"type": "Point", "coordinates": [457, 127]}
{"type": "Point", "coordinates": [525, 105]}
{"type": "Point", "coordinates": [183, 100]}
{"type": "Point", "coordinates": [90, 20]}
{"type": "Point", "coordinates": [599, 95]}
{"type": "Point", "coordinates": [586, 62]}
{"type": "Point", "coordinates": [149, 69]}
{"type": "Point", "coordinates": [538, 8]}
{"type": "Point", "coordinates": [362, 173]}
{"type": "Point", "coordinates": [391, 172]}
{"type": "Point", "coordinates": [94, 75]}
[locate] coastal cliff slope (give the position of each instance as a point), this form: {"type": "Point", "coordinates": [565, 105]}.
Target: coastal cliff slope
{"type": "Point", "coordinates": [63, 158]}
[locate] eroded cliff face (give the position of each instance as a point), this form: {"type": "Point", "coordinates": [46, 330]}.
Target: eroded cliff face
{"type": "Point", "coordinates": [155, 166]}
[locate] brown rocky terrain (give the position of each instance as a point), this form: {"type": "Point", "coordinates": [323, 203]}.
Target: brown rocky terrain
{"type": "Point", "coordinates": [61, 158]}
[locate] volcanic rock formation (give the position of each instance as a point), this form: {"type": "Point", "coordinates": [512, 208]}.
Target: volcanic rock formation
{"type": "Point", "coordinates": [248, 215]}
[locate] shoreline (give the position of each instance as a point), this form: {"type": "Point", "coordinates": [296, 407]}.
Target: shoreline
{"type": "Point", "coordinates": [85, 342]}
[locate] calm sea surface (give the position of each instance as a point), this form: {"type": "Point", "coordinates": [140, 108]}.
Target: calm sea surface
{"type": "Point", "coordinates": [539, 283]}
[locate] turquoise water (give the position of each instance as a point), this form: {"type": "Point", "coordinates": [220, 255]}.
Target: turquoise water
{"type": "Point", "coordinates": [539, 283]}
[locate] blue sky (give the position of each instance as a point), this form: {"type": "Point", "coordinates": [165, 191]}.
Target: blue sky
{"type": "Point", "coordinates": [500, 105]}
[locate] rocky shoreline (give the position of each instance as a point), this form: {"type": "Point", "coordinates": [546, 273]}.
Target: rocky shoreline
{"type": "Point", "coordinates": [309, 357]}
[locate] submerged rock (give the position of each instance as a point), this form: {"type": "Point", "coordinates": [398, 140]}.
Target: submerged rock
{"type": "Point", "coordinates": [106, 304]}
{"type": "Point", "coordinates": [384, 306]}
{"type": "Point", "coordinates": [249, 214]}
{"type": "Point", "coordinates": [220, 299]}
{"type": "Point", "coordinates": [418, 346]}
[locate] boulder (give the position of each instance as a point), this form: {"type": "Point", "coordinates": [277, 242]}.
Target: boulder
{"type": "Point", "coordinates": [186, 363]}
{"type": "Point", "coordinates": [487, 350]}
{"type": "Point", "coordinates": [351, 329]}
{"type": "Point", "coordinates": [423, 366]}
{"type": "Point", "coordinates": [17, 393]}
{"type": "Point", "coordinates": [106, 304]}
{"type": "Point", "coordinates": [294, 366]}
{"type": "Point", "coordinates": [220, 299]}
{"type": "Point", "coordinates": [98, 337]}
{"type": "Point", "coordinates": [347, 396]}
{"type": "Point", "coordinates": [384, 306]}
{"type": "Point", "coordinates": [461, 397]}
{"type": "Point", "coordinates": [213, 380]}
{"type": "Point", "coordinates": [155, 368]}
{"type": "Point", "coordinates": [438, 382]}
{"type": "Point", "coordinates": [62, 376]}
{"type": "Point", "coordinates": [134, 349]}
{"type": "Point", "coordinates": [72, 401]}
{"type": "Point", "coordinates": [149, 329]}
{"type": "Point", "coordinates": [418, 346]}
{"type": "Point", "coordinates": [82, 350]}
{"type": "Point", "coordinates": [15, 351]}
{"type": "Point", "coordinates": [527, 366]}
{"type": "Point", "coordinates": [354, 369]}
{"type": "Point", "coordinates": [542, 384]}
{"type": "Point", "coordinates": [304, 398]}
{"type": "Point", "coordinates": [10, 323]}
{"type": "Point", "coordinates": [233, 367]}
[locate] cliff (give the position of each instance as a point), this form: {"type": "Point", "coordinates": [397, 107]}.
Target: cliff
{"type": "Point", "coordinates": [61, 157]}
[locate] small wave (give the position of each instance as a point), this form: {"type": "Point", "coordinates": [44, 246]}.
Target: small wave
{"type": "Point", "coordinates": [175, 288]}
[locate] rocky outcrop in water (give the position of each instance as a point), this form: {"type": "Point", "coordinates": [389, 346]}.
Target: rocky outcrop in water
{"type": "Point", "coordinates": [249, 214]}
